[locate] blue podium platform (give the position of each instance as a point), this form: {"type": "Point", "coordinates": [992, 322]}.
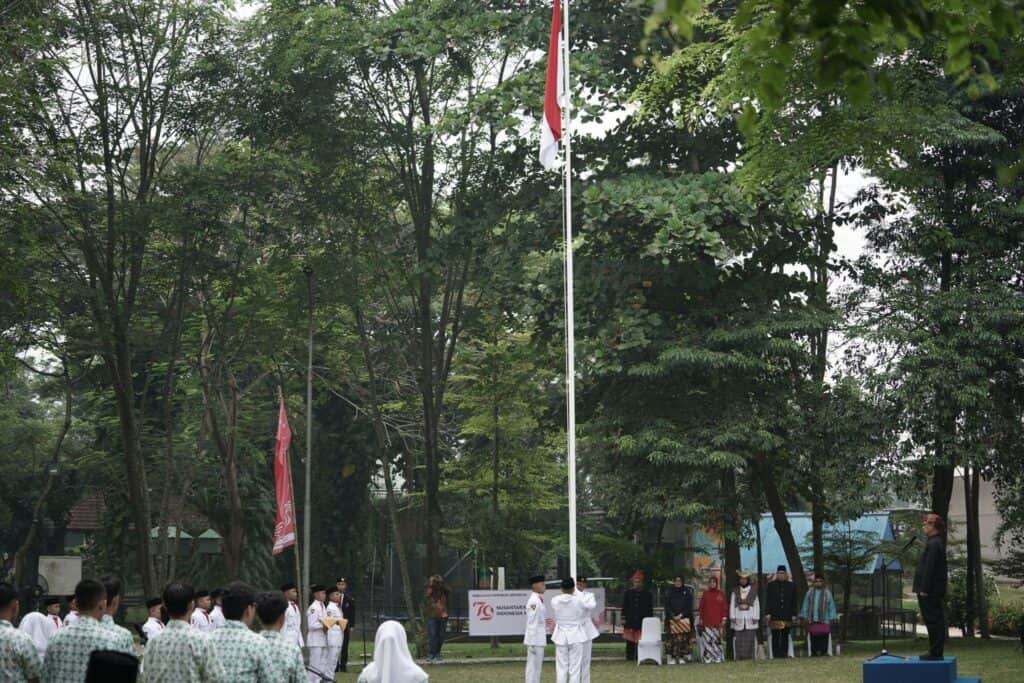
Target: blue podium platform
{"type": "Point", "coordinates": [897, 669]}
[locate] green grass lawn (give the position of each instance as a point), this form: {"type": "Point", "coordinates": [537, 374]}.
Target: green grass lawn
{"type": "Point", "coordinates": [998, 661]}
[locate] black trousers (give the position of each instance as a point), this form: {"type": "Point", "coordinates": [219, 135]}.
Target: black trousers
{"type": "Point", "coordinates": [819, 646]}
{"type": "Point", "coordinates": [630, 651]}
{"type": "Point", "coordinates": [934, 616]}
{"type": "Point", "coordinates": [780, 644]}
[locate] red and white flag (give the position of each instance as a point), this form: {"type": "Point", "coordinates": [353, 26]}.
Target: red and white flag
{"type": "Point", "coordinates": [284, 529]}
{"type": "Point", "coordinates": [554, 89]}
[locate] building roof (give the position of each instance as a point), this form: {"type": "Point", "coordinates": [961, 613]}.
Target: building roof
{"type": "Point", "coordinates": [172, 531]}
{"type": "Point", "coordinates": [772, 554]}
{"type": "Point", "coordinates": [86, 513]}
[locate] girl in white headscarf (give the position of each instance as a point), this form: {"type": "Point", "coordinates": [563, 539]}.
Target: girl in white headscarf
{"type": "Point", "coordinates": [392, 662]}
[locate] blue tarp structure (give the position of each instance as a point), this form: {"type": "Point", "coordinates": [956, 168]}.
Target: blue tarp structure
{"type": "Point", "coordinates": [772, 554]}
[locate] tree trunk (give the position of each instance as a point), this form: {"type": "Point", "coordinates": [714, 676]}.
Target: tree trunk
{"type": "Point", "coordinates": [817, 537]}
{"type": "Point", "coordinates": [30, 537]}
{"type": "Point", "coordinates": [138, 489]}
{"type": "Point", "coordinates": [969, 598]}
{"type": "Point", "coordinates": [778, 510]}
{"type": "Point", "coordinates": [382, 454]}
{"type": "Point", "coordinates": [981, 598]}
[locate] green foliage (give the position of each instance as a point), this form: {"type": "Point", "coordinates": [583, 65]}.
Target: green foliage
{"type": "Point", "coordinates": [842, 43]}
{"type": "Point", "coordinates": [957, 593]}
{"type": "Point", "coordinates": [1007, 619]}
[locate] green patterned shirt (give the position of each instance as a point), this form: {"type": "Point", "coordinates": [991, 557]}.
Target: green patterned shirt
{"type": "Point", "coordinates": [67, 656]}
{"type": "Point", "coordinates": [19, 660]}
{"type": "Point", "coordinates": [243, 654]}
{"type": "Point", "coordinates": [285, 658]}
{"type": "Point", "coordinates": [181, 654]}
{"type": "Point", "coordinates": [126, 639]}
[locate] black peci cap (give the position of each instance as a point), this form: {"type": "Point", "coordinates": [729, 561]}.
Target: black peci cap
{"type": "Point", "coordinates": [153, 602]}
{"type": "Point", "coordinates": [537, 578]}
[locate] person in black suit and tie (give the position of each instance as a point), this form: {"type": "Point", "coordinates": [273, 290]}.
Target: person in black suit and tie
{"type": "Point", "coordinates": [348, 610]}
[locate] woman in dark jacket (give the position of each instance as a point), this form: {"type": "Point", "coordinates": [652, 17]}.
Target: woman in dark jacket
{"type": "Point", "coordinates": [679, 621]}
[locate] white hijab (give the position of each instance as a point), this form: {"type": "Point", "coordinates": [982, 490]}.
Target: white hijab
{"type": "Point", "coordinates": [392, 662]}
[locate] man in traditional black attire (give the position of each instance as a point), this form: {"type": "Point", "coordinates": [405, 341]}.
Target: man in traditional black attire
{"type": "Point", "coordinates": [930, 585]}
{"type": "Point", "coordinates": [780, 608]}
{"type": "Point", "coordinates": [637, 604]}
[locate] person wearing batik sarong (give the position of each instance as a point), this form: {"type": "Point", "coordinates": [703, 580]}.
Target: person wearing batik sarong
{"type": "Point", "coordinates": [744, 617]}
{"type": "Point", "coordinates": [637, 605]}
{"type": "Point", "coordinates": [679, 621]}
{"type": "Point", "coordinates": [714, 612]}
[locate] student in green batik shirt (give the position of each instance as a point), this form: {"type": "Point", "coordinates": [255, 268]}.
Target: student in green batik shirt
{"type": "Point", "coordinates": [285, 655]}
{"type": "Point", "coordinates": [180, 654]}
{"type": "Point", "coordinates": [67, 657]}
{"type": "Point", "coordinates": [19, 660]}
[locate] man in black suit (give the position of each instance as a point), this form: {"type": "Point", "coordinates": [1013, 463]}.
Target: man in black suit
{"type": "Point", "coordinates": [930, 585]}
{"type": "Point", "coordinates": [780, 608]}
{"type": "Point", "coordinates": [348, 610]}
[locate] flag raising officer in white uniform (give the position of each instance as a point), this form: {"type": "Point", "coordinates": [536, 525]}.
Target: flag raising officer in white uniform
{"type": "Point", "coordinates": [589, 605]}
{"type": "Point", "coordinates": [316, 636]}
{"type": "Point", "coordinates": [536, 630]}
{"type": "Point", "coordinates": [41, 627]}
{"type": "Point", "coordinates": [569, 634]}
{"type": "Point", "coordinates": [201, 614]}
{"type": "Point", "coordinates": [153, 625]}
{"type": "Point", "coordinates": [292, 629]}
{"type": "Point", "coordinates": [217, 613]}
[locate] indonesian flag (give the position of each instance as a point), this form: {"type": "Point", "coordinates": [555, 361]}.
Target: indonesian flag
{"type": "Point", "coordinates": [554, 89]}
{"type": "Point", "coordinates": [284, 529]}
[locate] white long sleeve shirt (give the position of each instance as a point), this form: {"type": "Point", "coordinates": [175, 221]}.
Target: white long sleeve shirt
{"type": "Point", "coordinates": [335, 636]}
{"type": "Point", "coordinates": [569, 615]}
{"type": "Point", "coordinates": [589, 602]}
{"type": "Point", "coordinates": [292, 629]}
{"type": "Point", "coordinates": [217, 617]}
{"type": "Point", "coordinates": [536, 629]}
{"type": "Point", "coordinates": [744, 619]}
{"type": "Point", "coordinates": [152, 628]}
{"type": "Point", "coordinates": [201, 620]}
{"type": "Point", "coordinates": [316, 636]}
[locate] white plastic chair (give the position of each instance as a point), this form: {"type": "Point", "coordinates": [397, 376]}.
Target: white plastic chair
{"type": "Point", "coordinates": [650, 645]}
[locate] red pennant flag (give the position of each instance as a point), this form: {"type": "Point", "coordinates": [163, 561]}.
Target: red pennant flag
{"type": "Point", "coordinates": [284, 529]}
{"type": "Point", "coordinates": [554, 88]}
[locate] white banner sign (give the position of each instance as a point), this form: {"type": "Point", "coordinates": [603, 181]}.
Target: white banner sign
{"type": "Point", "coordinates": [503, 613]}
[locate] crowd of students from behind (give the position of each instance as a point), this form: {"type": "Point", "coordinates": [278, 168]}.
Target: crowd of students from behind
{"type": "Point", "coordinates": [204, 644]}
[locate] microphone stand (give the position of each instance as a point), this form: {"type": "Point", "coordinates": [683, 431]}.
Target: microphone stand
{"type": "Point", "coordinates": [885, 593]}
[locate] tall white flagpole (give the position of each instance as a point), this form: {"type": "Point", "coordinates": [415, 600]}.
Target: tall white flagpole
{"type": "Point", "coordinates": [570, 335]}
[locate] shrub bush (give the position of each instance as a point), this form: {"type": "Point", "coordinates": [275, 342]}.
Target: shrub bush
{"type": "Point", "coordinates": [1007, 619]}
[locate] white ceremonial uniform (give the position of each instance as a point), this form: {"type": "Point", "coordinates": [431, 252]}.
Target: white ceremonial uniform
{"type": "Point", "coordinates": [40, 628]}
{"type": "Point", "coordinates": [71, 618]}
{"type": "Point", "coordinates": [201, 620]}
{"type": "Point", "coordinates": [152, 628]}
{"type": "Point", "coordinates": [216, 617]}
{"type": "Point", "coordinates": [335, 637]}
{"type": "Point", "coordinates": [316, 638]}
{"type": "Point", "coordinates": [536, 636]}
{"type": "Point", "coordinates": [589, 605]}
{"type": "Point", "coordinates": [292, 629]}
{"type": "Point", "coordinates": [569, 636]}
